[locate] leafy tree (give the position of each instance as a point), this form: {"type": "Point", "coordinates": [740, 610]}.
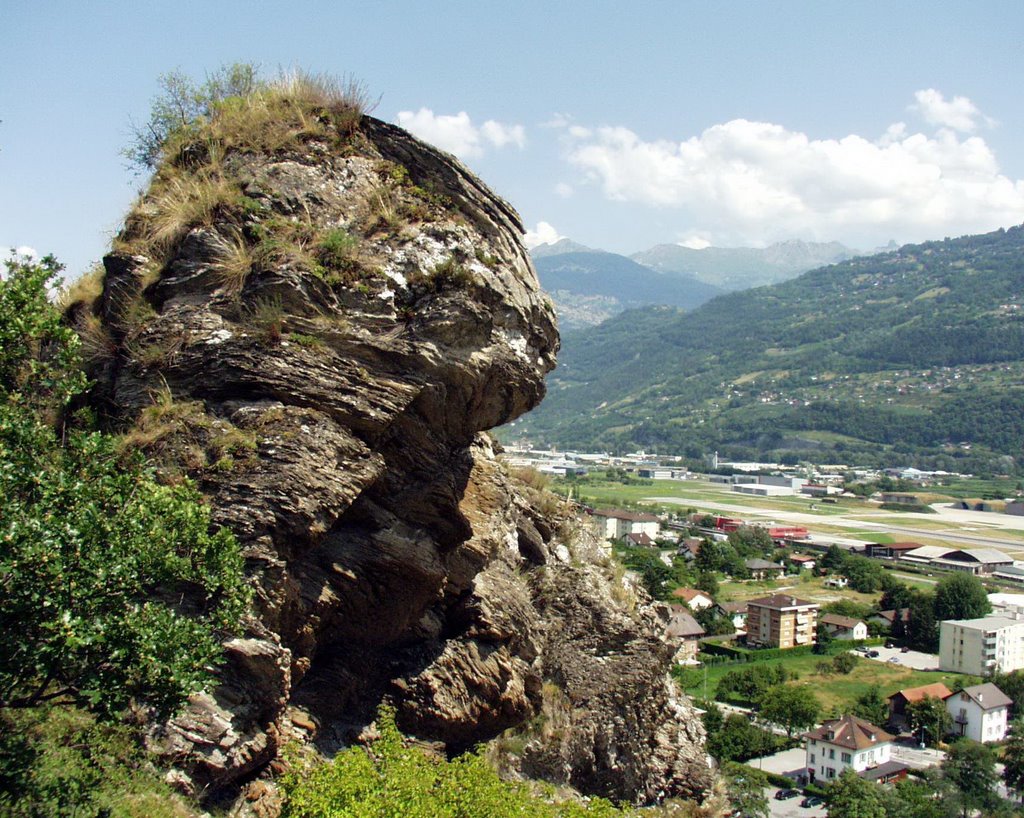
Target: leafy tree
{"type": "Point", "coordinates": [1013, 758]}
{"type": "Point", "coordinates": [850, 796]}
{"type": "Point", "coordinates": [708, 582]}
{"type": "Point", "coordinates": [844, 663]}
{"type": "Point", "coordinates": [960, 596]}
{"type": "Point", "coordinates": [930, 716]}
{"type": "Point", "coordinates": [745, 788]}
{"type": "Point", "coordinates": [823, 639]}
{"type": "Point", "coordinates": [738, 740]}
{"type": "Point", "coordinates": [896, 597]}
{"type": "Point", "coordinates": [181, 104]}
{"type": "Point", "coordinates": [791, 707]}
{"type": "Point", "coordinates": [714, 624]}
{"type": "Point", "coordinates": [922, 630]}
{"type": "Point", "coordinates": [834, 558]}
{"type": "Point", "coordinates": [1012, 684]}
{"type": "Point", "coordinates": [751, 541]}
{"type": "Point", "coordinates": [871, 707]}
{"type": "Point", "coordinates": [971, 768]}
{"type": "Point", "coordinates": [96, 555]}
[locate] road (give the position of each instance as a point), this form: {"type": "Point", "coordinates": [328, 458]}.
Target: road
{"type": "Point", "coordinates": [862, 519]}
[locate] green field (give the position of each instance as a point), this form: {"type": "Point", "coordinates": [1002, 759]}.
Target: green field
{"type": "Point", "coordinates": [834, 692]}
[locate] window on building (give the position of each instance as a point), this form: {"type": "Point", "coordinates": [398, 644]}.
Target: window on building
{"type": "Point", "coordinates": [812, 758]}
{"type": "Point", "coordinates": [831, 773]}
{"type": "Point", "coordinates": [831, 753]}
{"type": "Point", "coordinates": [847, 758]}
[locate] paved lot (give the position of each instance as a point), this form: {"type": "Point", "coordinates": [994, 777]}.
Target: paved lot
{"type": "Point", "coordinates": [913, 659]}
{"type": "Point", "coordinates": [789, 763]}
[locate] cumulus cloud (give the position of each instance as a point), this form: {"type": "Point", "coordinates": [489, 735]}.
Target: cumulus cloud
{"type": "Point", "coordinates": [501, 135]}
{"type": "Point", "coordinates": [959, 113]}
{"type": "Point", "coordinates": [543, 233]}
{"type": "Point", "coordinates": [757, 181]}
{"type": "Point", "coordinates": [457, 134]}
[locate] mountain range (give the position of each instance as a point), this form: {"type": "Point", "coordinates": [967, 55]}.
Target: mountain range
{"type": "Point", "coordinates": [915, 355]}
{"type": "Point", "coordinates": [589, 285]}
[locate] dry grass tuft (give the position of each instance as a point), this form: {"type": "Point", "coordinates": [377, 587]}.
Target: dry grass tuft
{"type": "Point", "coordinates": [180, 203]}
{"type": "Point", "coordinates": [83, 290]}
{"type": "Point", "coordinates": [234, 263]}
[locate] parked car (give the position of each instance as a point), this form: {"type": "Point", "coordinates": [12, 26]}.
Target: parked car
{"type": "Point", "coordinates": [890, 644]}
{"type": "Point", "coordinates": [873, 654]}
{"type": "Point", "coordinates": [782, 795]}
{"type": "Point", "coordinates": [894, 659]}
{"type": "Point", "coordinates": [904, 649]}
{"type": "Point", "coordinates": [811, 801]}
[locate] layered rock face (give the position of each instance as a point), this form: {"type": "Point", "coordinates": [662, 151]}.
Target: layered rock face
{"type": "Point", "coordinates": [321, 351]}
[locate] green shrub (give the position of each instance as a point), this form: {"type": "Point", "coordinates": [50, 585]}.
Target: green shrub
{"type": "Point", "coordinates": [58, 762]}
{"type": "Point", "coordinates": [392, 779]}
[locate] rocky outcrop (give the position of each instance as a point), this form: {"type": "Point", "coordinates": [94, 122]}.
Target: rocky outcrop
{"type": "Point", "coordinates": [321, 351]}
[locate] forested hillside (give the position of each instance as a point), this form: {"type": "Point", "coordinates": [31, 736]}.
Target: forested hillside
{"type": "Point", "coordinates": [915, 355]}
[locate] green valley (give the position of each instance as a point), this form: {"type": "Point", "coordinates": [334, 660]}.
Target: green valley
{"type": "Point", "coordinates": [914, 356]}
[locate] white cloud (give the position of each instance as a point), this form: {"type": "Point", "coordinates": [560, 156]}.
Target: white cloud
{"type": "Point", "coordinates": [564, 190]}
{"type": "Point", "coordinates": [695, 242]}
{"type": "Point", "coordinates": [543, 233]}
{"type": "Point", "coordinates": [457, 134]}
{"type": "Point", "coordinates": [751, 182]}
{"type": "Point", "coordinates": [959, 113]}
{"type": "Point", "coordinates": [501, 135]}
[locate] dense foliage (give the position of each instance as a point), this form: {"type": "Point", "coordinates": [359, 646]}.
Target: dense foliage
{"type": "Point", "coordinates": [904, 355]}
{"type": "Point", "coordinates": [394, 779]}
{"type": "Point", "coordinates": [114, 590]}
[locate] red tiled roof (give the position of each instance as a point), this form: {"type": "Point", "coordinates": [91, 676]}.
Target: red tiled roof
{"type": "Point", "coordinates": [937, 690]}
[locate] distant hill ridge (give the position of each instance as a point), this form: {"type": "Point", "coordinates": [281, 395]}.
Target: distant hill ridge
{"type": "Point", "coordinates": [739, 268]}
{"type": "Point", "coordinates": [915, 355]}
{"type": "Point", "coordinates": [590, 285]}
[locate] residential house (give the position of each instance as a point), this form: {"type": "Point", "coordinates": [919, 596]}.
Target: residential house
{"type": "Point", "coordinates": [803, 561]}
{"type": "Point", "coordinates": [836, 582]}
{"type": "Point", "coordinates": [683, 632]}
{"type": "Point", "coordinates": [781, 621]}
{"type": "Point", "coordinates": [844, 627]}
{"type": "Point", "coordinates": [736, 611]}
{"type": "Point", "coordinates": [763, 569]}
{"type": "Point", "coordinates": [899, 700]}
{"type": "Point", "coordinates": [694, 598]}
{"type": "Point", "coordinates": [845, 743]}
{"type": "Point", "coordinates": [980, 712]}
{"type": "Point", "coordinates": [616, 523]}
{"type": "Point", "coordinates": [640, 539]}
{"type": "Point", "coordinates": [981, 646]}
{"type": "Point", "coordinates": [888, 619]}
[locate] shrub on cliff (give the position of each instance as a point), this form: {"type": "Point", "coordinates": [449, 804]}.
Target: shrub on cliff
{"type": "Point", "coordinates": [113, 590]}
{"type": "Point", "coordinates": [394, 779]}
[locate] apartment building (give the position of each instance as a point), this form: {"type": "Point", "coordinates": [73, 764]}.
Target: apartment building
{"type": "Point", "coordinates": [980, 646]}
{"type": "Point", "coordinates": [781, 621]}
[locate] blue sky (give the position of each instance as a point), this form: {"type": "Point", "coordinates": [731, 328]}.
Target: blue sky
{"type": "Point", "coordinates": [618, 125]}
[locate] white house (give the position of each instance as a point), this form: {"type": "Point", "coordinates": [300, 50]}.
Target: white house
{"type": "Point", "coordinates": [616, 523]}
{"type": "Point", "coordinates": [844, 627]}
{"type": "Point", "coordinates": [846, 743]}
{"type": "Point", "coordinates": [980, 713]}
{"type": "Point", "coordinates": [695, 598]}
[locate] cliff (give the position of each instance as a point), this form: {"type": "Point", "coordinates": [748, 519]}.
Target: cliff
{"type": "Point", "coordinates": [317, 328]}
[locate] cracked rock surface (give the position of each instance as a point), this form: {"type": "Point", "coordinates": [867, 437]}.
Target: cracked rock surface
{"type": "Point", "coordinates": [336, 425]}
